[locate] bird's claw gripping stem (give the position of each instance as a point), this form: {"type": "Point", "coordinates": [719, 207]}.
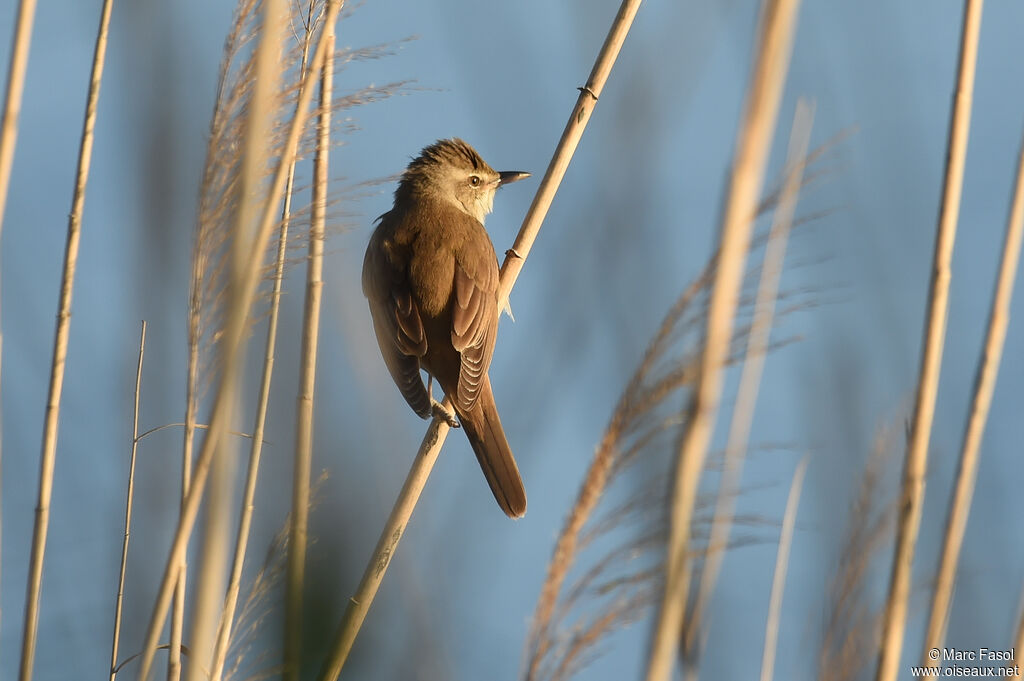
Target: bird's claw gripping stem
{"type": "Point", "coordinates": [439, 411]}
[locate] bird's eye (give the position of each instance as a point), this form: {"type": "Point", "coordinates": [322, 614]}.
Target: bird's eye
{"type": "Point", "coordinates": [474, 181]}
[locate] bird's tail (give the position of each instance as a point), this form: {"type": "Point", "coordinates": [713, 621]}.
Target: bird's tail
{"type": "Point", "coordinates": [483, 428]}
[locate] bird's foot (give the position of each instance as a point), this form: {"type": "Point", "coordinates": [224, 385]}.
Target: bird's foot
{"type": "Point", "coordinates": [440, 412]}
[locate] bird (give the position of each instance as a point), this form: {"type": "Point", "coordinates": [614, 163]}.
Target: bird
{"type": "Point", "coordinates": [430, 276]}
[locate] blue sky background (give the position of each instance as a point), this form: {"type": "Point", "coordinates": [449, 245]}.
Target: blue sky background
{"type": "Point", "coordinates": [633, 223]}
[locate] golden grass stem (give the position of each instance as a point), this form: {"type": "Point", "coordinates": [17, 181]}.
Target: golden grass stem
{"type": "Point", "coordinates": [238, 313]}
{"type": "Point", "coordinates": [60, 351]}
{"type": "Point", "coordinates": [433, 440]}
{"type": "Point", "coordinates": [753, 366]}
{"type": "Point", "coordinates": [298, 531]}
{"type": "Point", "coordinates": [771, 630]}
{"type": "Point", "coordinates": [777, 26]}
{"type": "Point", "coordinates": [912, 502]}
{"type": "Point", "coordinates": [12, 108]}
{"type": "Point", "coordinates": [245, 519]}
{"type": "Point", "coordinates": [129, 495]}
{"type": "Point", "coordinates": [13, 94]}
{"type": "Point", "coordinates": [970, 451]}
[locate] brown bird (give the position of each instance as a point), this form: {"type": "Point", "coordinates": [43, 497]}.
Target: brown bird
{"type": "Point", "coordinates": [431, 277]}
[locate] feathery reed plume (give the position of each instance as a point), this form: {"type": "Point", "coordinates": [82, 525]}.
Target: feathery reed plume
{"type": "Point", "coordinates": [129, 495]}
{"type": "Point", "coordinates": [775, 35]}
{"type": "Point", "coordinates": [984, 385]}
{"type": "Point", "coordinates": [47, 459]}
{"type": "Point", "coordinates": [753, 364]}
{"type": "Point", "coordinates": [216, 205]}
{"type": "Point", "coordinates": [638, 419]}
{"type": "Point", "coordinates": [430, 447]}
{"type": "Point", "coordinates": [851, 628]}
{"type": "Point", "coordinates": [261, 118]}
{"type": "Point", "coordinates": [307, 381]}
{"type": "Point", "coordinates": [245, 284]}
{"type": "Point", "coordinates": [771, 632]}
{"type": "Point", "coordinates": [931, 353]}
{"type": "Point", "coordinates": [625, 576]}
{"type": "Point", "coordinates": [224, 631]}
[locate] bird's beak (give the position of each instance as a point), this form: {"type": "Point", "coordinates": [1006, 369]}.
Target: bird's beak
{"type": "Point", "coordinates": [510, 176]}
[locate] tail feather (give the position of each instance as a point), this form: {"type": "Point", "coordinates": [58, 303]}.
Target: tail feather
{"type": "Point", "coordinates": [486, 436]}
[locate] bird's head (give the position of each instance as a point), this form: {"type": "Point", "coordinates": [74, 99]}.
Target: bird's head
{"type": "Point", "coordinates": [451, 171]}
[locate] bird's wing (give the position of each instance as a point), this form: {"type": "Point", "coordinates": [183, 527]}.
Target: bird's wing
{"type": "Point", "coordinates": [396, 320]}
{"type": "Point", "coordinates": [474, 317]}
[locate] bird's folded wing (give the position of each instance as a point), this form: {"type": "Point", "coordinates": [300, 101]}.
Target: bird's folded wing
{"type": "Point", "coordinates": [474, 324]}
{"type": "Point", "coordinates": [397, 324]}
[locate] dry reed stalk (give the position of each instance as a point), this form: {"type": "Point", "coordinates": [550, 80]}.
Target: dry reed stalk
{"type": "Point", "coordinates": [235, 328]}
{"type": "Point", "coordinates": [771, 630]}
{"type": "Point", "coordinates": [12, 109]}
{"type": "Point", "coordinates": [777, 26]}
{"type": "Point", "coordinates": [916, 463]}
{"type": "Point", "coordinates": [297, 538]}
{"type": "Point", "coordinates": [60, 351]}
{"type": "Point", "coordinates": [753, 365]}
{"type": "Point", "coordinates": [209, 587]}
{"type": "Point", "coordinates": [129, 495]}
{"type": "Point", "coordinates": [12, 99]}
{"type": "Point", "coordinates": [224, 630]}
{"type": "Point", "coordinates": [984, 385]}
{"type": "Point", "coordinates": [433, 440]}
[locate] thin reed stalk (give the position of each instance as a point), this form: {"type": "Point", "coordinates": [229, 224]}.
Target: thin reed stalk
{"type": "Point", "coordinates": [13, 94]}
{"type": "Point", "coordinates": [970, 451]}
{"type": "Point", "coordinates": [433, 440]}
{"type": "Point", "coordinates": [753, 366]}
{"type": "Point", "coordinates": [245, 520]}
{"type": "Point", "coordinates": [915, 466]}
{"type": "Point", "coordinates": [245, 290]}
{"type": "Point", "coordinates": [60, 351]}
{"type": "Point", "coordinates": [12, 109]}
{"type": "Point", "coordinates": [771, 630]}
{"type": "Point", "coordinates": [129, 496]}
{"type": "Point", "coordinates": [777, 26]}
{"type": "Point", "coordinates": [298, 529]}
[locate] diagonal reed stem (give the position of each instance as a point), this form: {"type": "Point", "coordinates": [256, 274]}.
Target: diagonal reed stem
{"type": "Point", "coordinates": [777, 26]}
{"type": "Point", "coordinates": [129, 496]}
{"type": "Point", "coordinates": [753, 365]}
{"type": "Point", "coordinates": [235, 330]}
{"type": "Point", "coordinates": [771, 631]}
{"type": "Point", "coordinates": [245, 520]}
{"type": "Point", "coordinates": [359, 603]}
{"type": "Point", "coordinates": [984, 385]}
{"type": "Point", "coordinates": [299, 519]}
{"type": "Point", "coordinates": [912, 501]}
{"type": "Point", "coordinates": [48, 456]}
